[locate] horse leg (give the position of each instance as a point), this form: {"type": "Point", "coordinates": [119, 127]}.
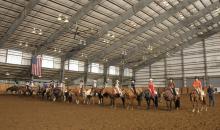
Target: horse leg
{"type": "Point", "coordinates": [123, 101]}
{"type": "Point", "coordinates": [148, 103]}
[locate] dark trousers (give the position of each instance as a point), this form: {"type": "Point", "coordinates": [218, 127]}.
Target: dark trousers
{"type": "Point", "coordinates": [211, 100]}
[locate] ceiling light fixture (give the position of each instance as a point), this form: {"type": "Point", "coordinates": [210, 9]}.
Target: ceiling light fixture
{"type": "Point", "coordinates": [165, 3]}
{"type": "Point", "coordinates": [63, 18]}
{"type": "Point", "coordinates": [37, 31]}
{"type": "Point", "coordinates": [7, 73]}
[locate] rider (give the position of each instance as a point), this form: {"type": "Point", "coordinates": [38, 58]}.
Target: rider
{"type": "Point", "coordinates": [117, 87]}
{"type": "Point", "coordinates": [151, 87]}
{"type": "Point", "coordinates": [81, 85]}
{"type": "Point", "coordinates": [133, 86]}
{"type": "Point", "coordinates": [94, 83]}
{"type": "Point", "coordinates": [197, 85]}
{"type": "Point", "coordinates": [27, 85]}
{"type": "Point", "coordinates": [171, 86]}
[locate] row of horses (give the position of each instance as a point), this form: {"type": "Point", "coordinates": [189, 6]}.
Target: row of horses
{"type": "Point", "coordinates": [128, 97]}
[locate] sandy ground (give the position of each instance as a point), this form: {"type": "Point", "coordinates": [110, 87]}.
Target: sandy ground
{"type": "Point", "coordinates": [28, 113]}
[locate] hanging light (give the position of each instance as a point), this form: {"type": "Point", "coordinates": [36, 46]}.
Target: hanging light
{"type": "Point", "coordinates": [165, 3]}
{"type": "Point", "coordinates": [124, 52]}
{"type": "Point", "coordinates": [180, 15]}
{"type": "Point", "coordinates": [20, 43]}
{"type": "Point", "coordinates": [59, 17]}
{"type": "Point", "coordinates": [34, 30]}
{"type": "Point", "coordinates": [40, 32]}
{"type": "Point", "coordinates": [26, 45]}
{"type": "Point", "coordinates": [59, 51]}
{"type": "Point", "coordinates": [66, 78]}
{"type": "Point", "coordinates": [150, 48]}
{"type": "Point", "coordinates": [66, 20]}
{"type": "Point", "coordinates": [55, 49]}
{"type": "Point", "coordinates": [7, 73]}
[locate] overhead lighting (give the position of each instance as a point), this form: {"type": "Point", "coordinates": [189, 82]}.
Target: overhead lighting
{"type": "Point", "coordinates": [20, 43]}
{"type": "Point", "coordinates": [106, 41]}
{"type": "Point", "coordinates": [150, 48]}
{"type": "Point", "coordinates": [105, 59]}
{"type": "Point", "coordinates": [111, 35]}
{"type": "Point", "coordinates": [59, 17]}
{"type": "Point", "coordinates": [83, 42]}
{"type": "Point", "coordinates": [7, 73]}
{"type": "Point", "coordinates": [59, 51]}
{"type": "Point", "coordinates": [37, 31]}
{"type": "Point", "coordinates": [124, 52]}
{"type": "Point", "coordinates": [63, 18]}
{"type": "Point", "coordinates": [165, 3]}
{"type": "Point", "coordinates": [26, 45]}
{"type": "Point", "coordinates": [66, 19]}
{"type": "Point", "coordinates": [40, 32]}
{"type": "Point", "coordinates": [180, 15]}
{"type": "Point", "coordinates": [66, 78]}
{"type": "Point", "coordinates": [55, 49]}
{"type": "Point", "coordinates": [34, 30]}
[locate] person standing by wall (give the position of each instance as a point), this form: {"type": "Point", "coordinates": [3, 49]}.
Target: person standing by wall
{"type": "Point", "coordinates": [211, 95]}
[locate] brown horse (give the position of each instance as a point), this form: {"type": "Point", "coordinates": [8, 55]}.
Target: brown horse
{"type": "Point", "coordinates": [113, 95]}
{"type": "Point", "coordinates": [131, 96]}
{"type": "Point", "coordinates": [198, 100]}
{"type": "Point", "coordinates": [83, 95]}
{"type": "Point", "coordinates": [169, 98]}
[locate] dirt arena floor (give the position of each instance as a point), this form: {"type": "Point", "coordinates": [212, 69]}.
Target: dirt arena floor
{"type": "Point", "coordinates": [28, 113]}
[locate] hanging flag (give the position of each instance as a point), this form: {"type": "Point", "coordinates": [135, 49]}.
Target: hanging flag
{"type": "Point", "coordinates": [36, 64]}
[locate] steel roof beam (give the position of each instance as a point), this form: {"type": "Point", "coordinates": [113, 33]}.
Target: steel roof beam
{"type": "Point", "coordinates": [184, 45]}
{"type": "Point", "coordinates": [187, 22]}
{"type": "Point", "coordinates": [115, 22]}
{"type": "Point", "coordinates": [142, 29]}
{"type": "Point", "coordinates": [18, 21]}
{"type": "Point", "coordinates": [72, 20]}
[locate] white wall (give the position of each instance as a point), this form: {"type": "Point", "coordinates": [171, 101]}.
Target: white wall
{"type": "Point", "coordinates": [193, 65]}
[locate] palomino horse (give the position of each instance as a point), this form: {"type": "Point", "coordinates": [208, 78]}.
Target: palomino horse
{"type": "Point", "coordinates": [148, 96]}
{"type": "Point", "coordinates": [85, 94]}
{"type": "Point", "coordinates": [130, 96]}
{"type": "Point", "coordinates": [198, 100]}
{"type": "Point", "coordinates": [111, 92]}
{"type": "Point", "coordinates": [169, 98]}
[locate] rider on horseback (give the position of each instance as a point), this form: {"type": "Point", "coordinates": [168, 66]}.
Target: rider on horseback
{"type": "Point", "coordinates": [117, 88]}
{"type": "Point", "coordinates": [171, 86]}
{"type": "Point", "coordinates": [151, 87]}
{"type": "Point", "coordinates": [197, 85]}
{"type": "Point", "coordinates": [81, 86]}
{"type": "Point", "coordinates": [133, 86]}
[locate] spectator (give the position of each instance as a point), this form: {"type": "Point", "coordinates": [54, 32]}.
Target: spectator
{"type": "Point", "coordinates": [210, 92]}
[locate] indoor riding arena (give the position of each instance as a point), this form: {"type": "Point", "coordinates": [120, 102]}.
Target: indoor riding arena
{"type": "Point", "coordinates": [109, 65]}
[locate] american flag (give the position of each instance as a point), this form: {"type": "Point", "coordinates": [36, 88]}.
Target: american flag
{"type": "Point", "coordinates": [36, 64]}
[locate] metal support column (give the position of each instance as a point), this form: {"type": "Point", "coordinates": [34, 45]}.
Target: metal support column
{"type": "Point", "coordinates": [206, 80]}
{"type": "Point", "coordinates": [105, 73]}
{"type": "Point", "coordinates": [150, 71]}
{"type": "Point", "coordinates": [165, 71]}
{"type": "Point", "coordinates": [121, 74]}
{"type": "Point", "coordinates": [85, 76]}
{"type": "Point", "coordinates": [182, 66]}
{"type": "Point", "coordinates": [62, 70]}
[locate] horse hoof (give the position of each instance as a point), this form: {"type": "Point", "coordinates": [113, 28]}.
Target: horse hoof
{"type": "Point", "coordinates": [193, 110]}
{"type": "Point", "coordinates": [198, 111]}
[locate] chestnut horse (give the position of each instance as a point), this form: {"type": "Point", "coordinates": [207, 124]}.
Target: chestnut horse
{"type": "Point", "coordinates": [113, 95]}
{"type": "Point", "coordinates": [198, 100]}
{"type": "Point", "coordinates": [131, 96]}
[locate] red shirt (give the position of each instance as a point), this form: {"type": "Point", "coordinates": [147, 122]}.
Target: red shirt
{"type": "Point", "coordinates": [197, 84]}
{"type": "Point", "coordinates": [151, 86]}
